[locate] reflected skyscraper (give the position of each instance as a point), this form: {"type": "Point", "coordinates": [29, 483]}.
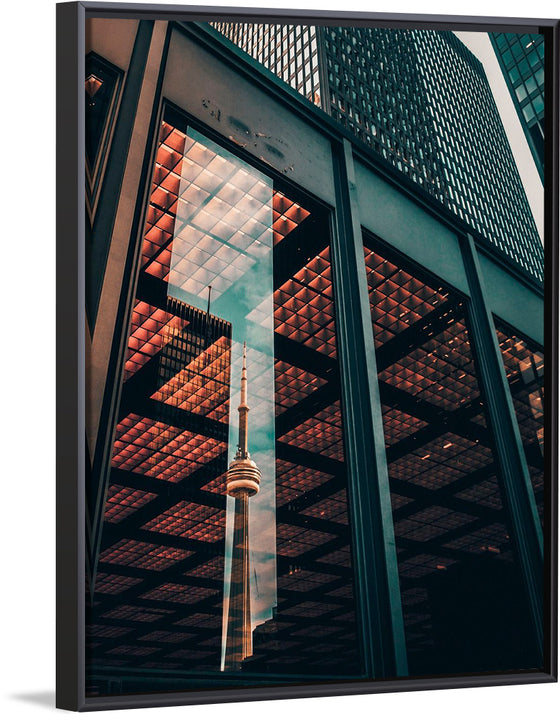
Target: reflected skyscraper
{"type": "Point", "coordinates": [521, 59]}
{"type": "Point", "coordinates": [242, 481]}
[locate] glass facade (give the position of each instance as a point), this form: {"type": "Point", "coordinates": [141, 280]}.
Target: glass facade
{"type": "Point", "coordinates": [456, 563]}
{"type": "Point", "coordinates": [290, 51]}
{"type": "Point", "coordinates": [421, 100]}
{"type": "Point", "coordinates": [227, 259]}
{"type": "Point", "coordinates": [521, 59]}
{"type": "Point", "coordinates": [524, 365]}
{"type": "Point", "coordinates": [102, 85]}
{"type": "Point", "coordinates": [102, 80]}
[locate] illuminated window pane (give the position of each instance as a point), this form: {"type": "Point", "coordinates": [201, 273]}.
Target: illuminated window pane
{"type": "Point", "coordinates": [230, 265]}
{"type": "Point", "coordinates": [524, 365]}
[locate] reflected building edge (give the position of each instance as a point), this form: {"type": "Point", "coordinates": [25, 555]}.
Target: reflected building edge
{"type": "Point", "coordinates": [521, 59]}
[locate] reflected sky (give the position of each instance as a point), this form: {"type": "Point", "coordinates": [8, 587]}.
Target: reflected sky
{"type": "Point", "coordinates": [223, 238]}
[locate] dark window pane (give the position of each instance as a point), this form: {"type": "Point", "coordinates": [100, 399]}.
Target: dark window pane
{"type": "Point", "coordinates": [462, 595]}
{"type": "Point", "coordinates": [524, 365]}
{"type": "Point", "coordinates": [100, 85]}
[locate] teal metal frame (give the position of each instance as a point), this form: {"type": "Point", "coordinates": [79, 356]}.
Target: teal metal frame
{"type": "Point", "coordinates": [374, 555]}
{"type": "Point", "coordinates": [513, 474]}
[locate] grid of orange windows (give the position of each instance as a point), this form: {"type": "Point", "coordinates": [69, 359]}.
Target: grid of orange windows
{"type": "Point", "coordinates": [524, 365]}
{"type": "Point", "coordinates": [163, 541]}
{"type": "Point", "coordinates": [451, 528]}
{"type": "Point", "coordinates": [161, 567]}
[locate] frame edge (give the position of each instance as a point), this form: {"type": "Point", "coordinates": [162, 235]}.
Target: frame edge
{"type": "Point", "coordinates": [70, 346]}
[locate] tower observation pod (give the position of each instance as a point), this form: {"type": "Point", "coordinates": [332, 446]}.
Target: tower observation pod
{"type": "Point", "coordinates": [242, 481]}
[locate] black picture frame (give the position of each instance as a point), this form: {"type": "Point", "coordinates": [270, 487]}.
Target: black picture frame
{"type": "Point", "coordinates": [71, 298]}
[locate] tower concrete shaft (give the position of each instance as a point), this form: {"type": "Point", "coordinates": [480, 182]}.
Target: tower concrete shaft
{"type": "Point", "coordinates": [242, 481]}
{"type": "Point", "coordinates": [239, 643]}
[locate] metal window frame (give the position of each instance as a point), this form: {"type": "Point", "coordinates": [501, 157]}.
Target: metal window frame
{"type": "Point", "coordinates": [378, 596]}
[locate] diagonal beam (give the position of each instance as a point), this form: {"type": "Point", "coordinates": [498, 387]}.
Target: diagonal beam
{"type": "Point", "coordinates": [424, 329]}
{"type": "Point", "coordinates": [173, 416]}
{"type": "Point", "coordinates": [307, 407]}
{"type": "Point", "coordinates": [299, 355]}
{"type": "Point", "coordinates": [295, 455]}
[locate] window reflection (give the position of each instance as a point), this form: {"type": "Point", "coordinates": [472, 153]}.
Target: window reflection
{"type": "Point", "coordinates": [101, 82]}
{"type": "Point", "coordinates": [227, 260]}
{"type": "Point", "coordinates": [313, 629]}
{"type": "Point", "coordinates": [524, 365]}
{"type": "Point", "coordinates": [463, 603]}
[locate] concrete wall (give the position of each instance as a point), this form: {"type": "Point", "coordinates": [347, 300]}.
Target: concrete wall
{"type": "Point", "coordinates": [198, 82]}
{"type": "Point", "coordinates": [396, 219]}
{"type": "Point", "coordinates": [512, 301]}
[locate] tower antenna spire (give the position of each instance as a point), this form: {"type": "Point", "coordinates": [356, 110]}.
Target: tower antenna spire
{"type": "Point", "coordinates": [243, 409]}
{"type": "Point", "coordinates": [206, 357]}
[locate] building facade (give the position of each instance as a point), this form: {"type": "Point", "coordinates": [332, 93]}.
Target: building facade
{"type": "Point", "coordinates": [290, 51]}
{"type": "Point", "coordinates": [521, 59]}
{"type": "Point", "coordinates": [421, 99]}
{"type": "Point", "coordinates": [395, 378]}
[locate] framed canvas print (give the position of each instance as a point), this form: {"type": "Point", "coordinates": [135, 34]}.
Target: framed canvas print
{"type": "Point", "coordinates": [306, 305]}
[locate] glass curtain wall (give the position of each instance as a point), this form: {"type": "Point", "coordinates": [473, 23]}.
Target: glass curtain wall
{"type": "Point", "coordinates": [230, 264]}
{"type": "Point", "coordinates": [462, 594]}
{"type": "Point", "coordinates": [524, 365]}
{"type": "Point", "coordinates": [232, 363]}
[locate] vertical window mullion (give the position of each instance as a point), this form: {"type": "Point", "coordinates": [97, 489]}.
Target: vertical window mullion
{"type": "Point", "coordinates": [513, 472]}
{"type": "Point", "coordinates": [377, 584]}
